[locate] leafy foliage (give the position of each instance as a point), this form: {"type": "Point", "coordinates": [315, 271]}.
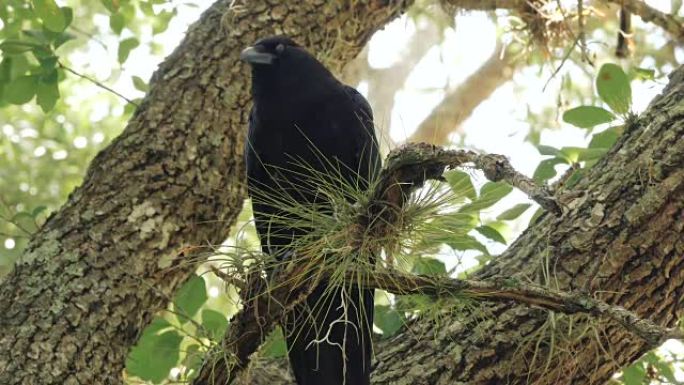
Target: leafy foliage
{"type": "Point", "coordinates": [46, 143]}
{"type": "Point", "coordinates": [614, 89]}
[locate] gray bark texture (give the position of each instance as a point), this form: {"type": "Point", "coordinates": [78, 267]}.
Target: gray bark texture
{"type": "Point", "coordinates": [172, 184]}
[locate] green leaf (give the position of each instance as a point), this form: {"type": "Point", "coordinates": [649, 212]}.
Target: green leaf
{"type": "Point", "coordinates": [37, 211]}
{"type": "Point", "coordinates": [612, 85]}
{"type": "Point", "coordinates": [663, 366]}
{"type": "Point", "coordinates": [634, 374]}
{"type": "Point", "coordinates": [466, 242]}
{"type": "Point", "coordinates": [546, 169]}
{"type": "Point", "coordinates": [155, 327]}
{"type": "Point", "coordinates": [140, 84]}
{"type": "Point", "coordinates": [68, 15]}
{"type": "Point", "coordinates": [21, 215]}
{"type": "Point", "coordinates": [644, 73]}
{"type": "Point", "coordinates": [155, 355]}
{"type": "Point", "coordinates": [38, 36]}
{"type": "Point", "coordinates": [61, 39]}
{"type": "Point", "coordinates": [576, 176]}
{"type": "Point", "coordinates": [514, 212]}
{"type": "Point", "coordinates": [52, 16]}
{"type": "Point", "coordinates": [146, 8]}
{"type": "Point", "coordinates": [125, 48]}
{"type": "Point", "coordinates": [572, 154]}
{"type": "Point", "coordinates": [21, 90]}
{"type": "Point", "coordinates": [111, 5]}
{"type": "Point", "coordinates": [490, 193]}
{"type": "Point", "coordinates": [665, 369]}
{"type": "Point", "coordinates": [130, 108]}
{"type": "Point", "coordinates": [605, 139]}
{"type": "Point", "coordinates": [16, 47]}
{"type": "Point", "coordinates": [50, 76]}
{"type": "Point", "coordinates": [587, 116]}
{"type": "Point", "coordinates": [48, 93]}
{"type": "Point", "coordinates": [446, 226]}
{"type": "Point", "coordinates": [461, 184]}
{"type": "Point", "coordinates": [215, 323]}
{"type": "Point", "coordinates": [536, 215]}
{"type": "Point", "coordinates": [160, 22]}
{"type": "Point", "coordinates": [592, 153]}
{"type": "Point", "coordinates": [275, 346]}
{"type": "Point", "coordinates": [491, 233]}
{"type": "Point", "coordinates": [388, 319]}
{"type": "Point", "coordinates": [429, 266]}
{"type": "Point", "coordinates": [194, 357]}
{"type": "Point", "coordinates": [191, 296]}
{"type": "Point", "coordinates": [48, 64]}
{"type": "Point", "coordinates": [117, 21]}
{"type": "Point", "coordinates": [548, 150]}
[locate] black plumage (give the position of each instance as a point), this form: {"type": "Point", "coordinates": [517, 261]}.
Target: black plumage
{"type": "Point", "coordinates": [302, 115]}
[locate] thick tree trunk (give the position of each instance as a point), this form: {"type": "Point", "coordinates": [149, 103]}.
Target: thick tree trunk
{"type": "Point", "coordinates": [172, 182]}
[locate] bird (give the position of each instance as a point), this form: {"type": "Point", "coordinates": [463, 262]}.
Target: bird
{"type": "Point", "coordinates": [303, 115]}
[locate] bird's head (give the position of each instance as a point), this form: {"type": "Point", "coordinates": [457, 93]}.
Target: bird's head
{"type": "Point", "coordinates": [270, 51]}
{"type": "Point", "coordinates": [282, 67]}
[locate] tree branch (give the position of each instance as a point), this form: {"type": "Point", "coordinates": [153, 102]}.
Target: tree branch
{"type": "Point", "coordinates": [649, 14]}
{"type": "Point", "coordinates": [459, 103]}
{"type": "Point", "coordinates": [412, 164]}
{"type": "Point", "coordinates": [503, 289]}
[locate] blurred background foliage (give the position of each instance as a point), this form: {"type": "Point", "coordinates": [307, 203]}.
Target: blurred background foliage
{"type": "Point", "coordinates": [529, 86]}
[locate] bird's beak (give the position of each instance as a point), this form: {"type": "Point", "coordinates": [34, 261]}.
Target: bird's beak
{"type": "Point", "coordinates": [256, 55]}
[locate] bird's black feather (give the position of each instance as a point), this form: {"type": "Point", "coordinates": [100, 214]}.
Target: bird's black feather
{"type": "Point", "coordinates": [302, 112]}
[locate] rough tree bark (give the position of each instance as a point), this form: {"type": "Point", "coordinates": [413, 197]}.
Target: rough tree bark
{"type": "Point", "coordinates": [92, 277]}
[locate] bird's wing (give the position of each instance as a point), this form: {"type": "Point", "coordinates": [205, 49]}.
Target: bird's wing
{"type": "Point", "coordinates": [249, 150]}
{"type": "Point", "coordinates": [359, 102]}
{"type": "Point", "coordinates": [367, 147]}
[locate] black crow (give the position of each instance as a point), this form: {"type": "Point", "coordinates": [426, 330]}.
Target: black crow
{"type": "Point", "coordinates": [304, 122]}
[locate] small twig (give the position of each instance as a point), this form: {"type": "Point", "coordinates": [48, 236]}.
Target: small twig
{"type": "Point", "coordinates": [104, 87]}
{"type": "Point", "coordinates": [582, 32]}
{"type": "Point", "coordinates": [89, 35]}
{"type": "Point", "coordinates": [565, 58]}
{"type": "Point", "coordinates": [8, 235]}
{"type": "Point", "coordinates": [227, 278]}
{"type": "Point", "coordinates": [668, 22]}
{"type": "Point", "coordinates": [412, 164]}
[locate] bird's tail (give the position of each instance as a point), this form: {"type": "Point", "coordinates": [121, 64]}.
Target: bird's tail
{"type": "Point", "coordinates": [329, 337]}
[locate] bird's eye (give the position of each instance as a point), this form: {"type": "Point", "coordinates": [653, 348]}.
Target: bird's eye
{"type": "Point", "coordinates": [280, 48]}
